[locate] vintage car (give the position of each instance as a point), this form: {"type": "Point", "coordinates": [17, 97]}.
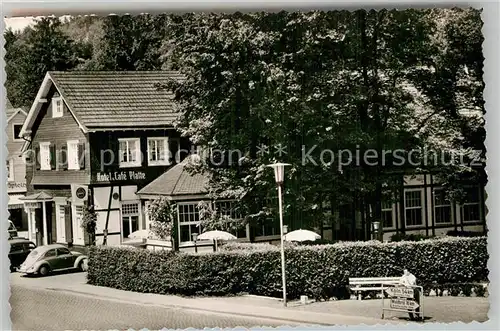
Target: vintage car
{"type": "Point", "coordinates": [54, 257]}
{"type": "Point", "coordinates": [19, 249]}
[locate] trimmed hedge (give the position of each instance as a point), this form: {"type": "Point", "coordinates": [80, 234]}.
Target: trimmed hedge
{"type": "Point", "coordinates": [320, 272]}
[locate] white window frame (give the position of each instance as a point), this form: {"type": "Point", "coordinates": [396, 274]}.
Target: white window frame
{"type": "Point", "coordinates": [72, 157]}
{"type": "Point", "coordinates": [10, 166]}
{"type": "Point", "coordinates": [188, 223]}
{"type": "Point", "coordinates": [436, 206]}
{"type": "Point", "coordinates": [45, 156]}
{"type": "Point", "coordinates": [14, 131]}
{"type": "Point", "coordinates": [415, 208]}
{"type": "Point", "coordinates": [166, 151]}
{"type": "Point", "coordinates": [128, 141]}
{"type": "Point", "coordinates": [129, 215]}
{"type": "Point", "coordinates": [57, 110]}
{"type": "Point", "coordinates": [478, 203]}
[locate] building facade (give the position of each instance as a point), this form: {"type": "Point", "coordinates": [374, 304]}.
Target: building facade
{"type": "Point", "coordinates": [420, 208]}
{"type": "Point", "coordinates": [16, 169]}
{"type": "Point", "coordinates": [96, 138]}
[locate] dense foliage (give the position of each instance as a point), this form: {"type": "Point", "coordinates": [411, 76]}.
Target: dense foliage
{"type": "Point", "coordinates": [276, 86]}
{"type": "Point", "coordinates": [162, 214]}
{"type": "Point", "coordinates": [326, 82]}
{"type": "Point", "coordinates": [317, 271]}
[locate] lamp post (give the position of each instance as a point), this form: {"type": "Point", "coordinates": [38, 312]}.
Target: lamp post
{"type": "Point", "coordinates": [279, 174]}
{"type": "Point", "coordinates": [195, 238]}
{"type": "Point", "coordinates": [376, 229]}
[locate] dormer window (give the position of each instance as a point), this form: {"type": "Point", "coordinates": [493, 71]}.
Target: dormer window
{"type": "Point", "coordinates": [57, 106]}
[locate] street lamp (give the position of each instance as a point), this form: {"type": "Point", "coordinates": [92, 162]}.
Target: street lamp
{"type": "Point", "coordinates": [376, 228]}
{"type": "Point", "coordinates": [279, 174]}
{"type": "Point", "coordinates": [195, 238]}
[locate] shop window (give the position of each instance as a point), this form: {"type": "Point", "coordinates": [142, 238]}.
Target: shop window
{"type": "Point", "coordinates": [413, 207]}
{"type": "Point", "coordinates": [130, 218]}
{"type": "Point", "coordinates": [442, 207]}
{"type": "Point", "coordinates": [19, 219]}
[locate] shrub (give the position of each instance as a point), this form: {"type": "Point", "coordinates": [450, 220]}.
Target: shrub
{"type": "Point", "coordinates": [409, 237]}
{"type": "Point", "coordinates": [320, 271]}
{"type": "Point", "coordinates": [458, 233]}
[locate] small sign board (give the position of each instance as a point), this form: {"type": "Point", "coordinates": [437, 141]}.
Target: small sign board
{"type": "Point", "coordinates": [32, 205]}
{"type": "Point", "coordinates": [81, 193]}
{"type": "Point", "coordinates": [403, 304]}
{"type": "Point", "coordinates": [400, 292]}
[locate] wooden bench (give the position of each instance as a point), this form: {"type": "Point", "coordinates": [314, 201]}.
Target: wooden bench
{"type": "Point", "coordinates": [359, 285]}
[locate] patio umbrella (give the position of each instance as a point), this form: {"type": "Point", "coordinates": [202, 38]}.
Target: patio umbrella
{"type": "Point", "coordinates": [140, 234]}
{"type": "Point", "coordinates": [216, 235]}
{"type": "Point", "coordinates": [301, 235]}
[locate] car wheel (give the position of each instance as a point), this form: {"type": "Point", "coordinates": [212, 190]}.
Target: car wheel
{"type": "Point", "coordinates": [84, 265]}
{"type": "Point", "coordinates": [44, 270]}
{"type": "Point", "coordinates": [12, 269]}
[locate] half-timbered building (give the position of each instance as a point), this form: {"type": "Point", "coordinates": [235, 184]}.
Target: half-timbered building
{"type": "Point", "coordinates": [96, 138]}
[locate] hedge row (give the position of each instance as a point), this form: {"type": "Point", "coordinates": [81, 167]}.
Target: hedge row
{"type": "Point", "coordinates": [317, 271]}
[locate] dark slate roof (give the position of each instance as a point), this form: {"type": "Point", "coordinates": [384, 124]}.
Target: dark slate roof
{"type": "Point", "coordinates": [117, 98]}
{"type": "Point", "coordinates": [177, 181]}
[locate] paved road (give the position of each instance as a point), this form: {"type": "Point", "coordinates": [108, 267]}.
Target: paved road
{"type": "Point", "coordinates": [48, 309]}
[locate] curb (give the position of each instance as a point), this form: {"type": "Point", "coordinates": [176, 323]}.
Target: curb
{"type": "Point", "coordinates": [307, 322]}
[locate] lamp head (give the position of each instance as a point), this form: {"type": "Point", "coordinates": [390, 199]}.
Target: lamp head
{"type": "Point", "coordinates": [279, 171]}
{"type": "Point", "coordinates": [195, 236]}
{"type": "Point", "coordinates": [376, 226]}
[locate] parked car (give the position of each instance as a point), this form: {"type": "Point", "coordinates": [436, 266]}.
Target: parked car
{"type": "Point", "coordinates": [54, 257]}
{"type": "Point", "coordinates": [12, 230]}
{"type": "Point", "coordinates": [19, 250]}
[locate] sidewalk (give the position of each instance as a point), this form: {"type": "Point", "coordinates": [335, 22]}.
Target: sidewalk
{"type": "Point", "coordinates": [239, 306]}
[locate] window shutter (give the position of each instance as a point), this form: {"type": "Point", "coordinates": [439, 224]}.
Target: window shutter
{"type": "Point", "coordinates": [37, 157]}
{"type": "Point", "coordinates": [81, 155]}
{"type": "Point", "coordinates": [52, 150]}
{"type": "Point", "coordinates": [64, 157]}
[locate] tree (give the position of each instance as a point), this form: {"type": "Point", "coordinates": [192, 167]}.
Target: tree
{"type": "Point", "coordinates": [129, 43]}
{"type": "Point", "coordinates": [335, 80]}
{"type": "Point", "coordinates": [42, 48]}
{"type": "Point", "coordinates": [89, 221]}
{"type": "Point", "coordinates": [162, 215]}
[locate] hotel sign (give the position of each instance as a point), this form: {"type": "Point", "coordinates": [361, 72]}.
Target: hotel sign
{"type": "Point", "coordinates": [120, 176]}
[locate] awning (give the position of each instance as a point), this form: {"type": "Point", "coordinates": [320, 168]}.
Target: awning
{"type": "Point", "coordinates": [39, 196]}
{"type": "Point", "coordinates": [15, 202]}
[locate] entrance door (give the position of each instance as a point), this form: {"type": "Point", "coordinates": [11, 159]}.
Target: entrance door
{"type": "Point", "coordinates": [68, 224]}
